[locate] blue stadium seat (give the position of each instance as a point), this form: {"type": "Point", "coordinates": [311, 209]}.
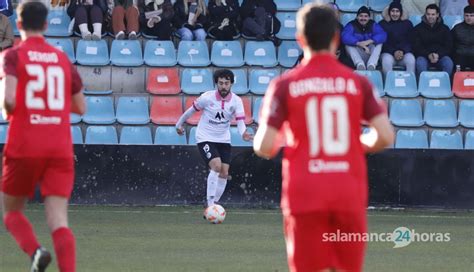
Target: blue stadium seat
{"type": "Point", "coordinates": [227, 54]}
{"type": "Point", "coordinates": [100, 110]}
{"type": "Point", "coordinates": [415, 19]}
{"type": "Point", "coordinates": [351, 5]}
{"type": "Point", "coordinates": [241, 85]}
{"type": "Point", "coordinates": [410, 138]}
{"type": "Point", "coordinates": [440, 113]}
{"type": "Point", "coordinates": [160, 53]}
{"type": "Point", "coordinates": [58, 24]}
{"type": "Point", "coordinates": [466, 113]}
{"type": "Point", "coordinates": [375, 77]}
{"type": "Point", "coordinates": [288, 5]}
{"type": "Point", "coordinates": [92, 53]}
{"type": "Point", "coordinates": [236, 138]}
{"type": "Point", "coordinates": [401, 84]}
{"type": "Point", "coordinates": [3, 133]}
{"type": "Point", "coordinates": [101, 135]}
{"type": "Point", "coordinates": [452, 20]}
{"type": "Point", "coordinates": [126, 53]}
{"type": "Point", "coordinates": [166, 135]}
{"type": "Point", "coordinates": [435, 85]}
{"type": "Point", "coordinates": [133, 110]}
{"type": "Point", "coordinates": [378, 5]}
{"type": "Point", "coordinates": [132, 135]}
{"type": "Point", "coordinates": [260, 78]}
{"type": "Point", "coordinates": [192, 136]}
{"type": "Point", "coordinates": [406, 113]}
{"type": "Point", "coordinates": [378, 18]}
{"type": "Point", "coordinates": [257, 103]}
{"type": "Point", "coordinates": [288, 53]}
{"type": "Point", "coordinates": [13, 23]}
{"type": "Point", "coordinates": [288, 25]}
{"type": "Point", "coordinates": [76, 134]}
{"type": "Point", "coordinates": [74, 118]}
{"type": "Point", "coordinates": [346, 18]}
{"type": "Point", "coordinates": [469, 144]}
{"type": "Point", "coordinates": [445, 139]}
{"type": "Point", "coordinates": [64, 45]}
{"type": "Point", "coordinates": [260, 53]}
{"type": "Point", "coordinates": [311, 1]}
{"type": "Point", "coordinates": [193, 54]}
{"type": "Point", "coordinates": [196, 81]}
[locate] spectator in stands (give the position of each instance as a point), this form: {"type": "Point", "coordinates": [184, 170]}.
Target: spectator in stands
{"type": "Point", "coordinates": [259, 20]}
{"type": "Point", "coordinates": [363, 39]}
{"type": "Point", "coordinates": [224, 15]}
{"type": "Point", "coordinates": [157, 18]}
{"type": "Point", "coordinates": [415, 7]}
{"type": "Point", "coordinates": [87, 13]}
{"type": "Point", "coordinates": [452, 7]}
{"type": "Point", "coordinates": [397, 49]}
{"type": "Point", "coordinates": [463, 38]}
{"type": "Point", "coordinates": [6, 7]}
{"type": "Point", "coordinates": [125, 19]}
{"type": "Point", "coordinates": [6, 33]}
{"type": "Point", "coordinates": [432, 42]}
{"type": "Point", "coordinates": [58, 4]}
{"type": "Point", "coordinates": [191, 19]}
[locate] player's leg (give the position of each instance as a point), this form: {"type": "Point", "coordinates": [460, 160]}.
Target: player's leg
{"type": "Point", "coordinates": [211, 157]}
{"type": "Point", "coordinates": [305, 245]}
{"type": "Point", "coordinates": [56, 189]}
{"type": "Point", "coordinates": [225, 154]}
{"type": "Point", "coordinates": [64, 242]}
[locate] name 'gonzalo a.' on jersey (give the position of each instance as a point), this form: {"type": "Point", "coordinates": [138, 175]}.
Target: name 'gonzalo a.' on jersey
{"type": "Point", "coordinates": [217, 114]}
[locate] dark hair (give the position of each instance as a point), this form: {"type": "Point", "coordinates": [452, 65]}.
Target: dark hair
{"type": "Point", "coordinates": [32, 15]}
{"type": "Point", "coordinates": [318, 24]}
{"type": "Point", "coordinates": [224, 73]}
{"type": "Point", "coordinates": [432, 6]}
{"type": "Point", "coordinates": [469, 9]}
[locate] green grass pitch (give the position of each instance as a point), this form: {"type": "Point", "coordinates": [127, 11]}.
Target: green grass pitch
{"type": "Point", "coordinates": [178, 239]}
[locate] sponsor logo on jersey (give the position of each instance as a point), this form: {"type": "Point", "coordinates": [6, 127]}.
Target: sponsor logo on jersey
{"type": "Point", "coordinates": [38, 119]}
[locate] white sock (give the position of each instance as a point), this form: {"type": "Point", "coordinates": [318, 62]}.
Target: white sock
{"type": "Point", "coordinates": [84, 30]}
{"type": "Point", "coordinates": [221, 183]}
{"type": "Point", "coordinates": [211, 187]}
{"type": "Point", "coordinates": [97, 29]}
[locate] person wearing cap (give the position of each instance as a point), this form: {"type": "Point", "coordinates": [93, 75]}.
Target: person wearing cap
{"type": "Point", "coordinates": [397, 49]}
{"type": "Point", "coordinates": [432, 42]}
{"type": "Point", "coordinates": [463, 36]}
{"type": "Point", "coordinates": [125, 19]}
{"type": "Point", "coordinates": [363, 39]}
{"type": "Point", "coordinates": [156, 19]}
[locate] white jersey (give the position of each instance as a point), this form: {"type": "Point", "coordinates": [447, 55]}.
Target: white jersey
{"type": "Point", "coordinates": [217, 112]}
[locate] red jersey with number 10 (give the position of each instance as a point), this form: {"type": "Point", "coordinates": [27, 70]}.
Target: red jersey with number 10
{"type": "Point", "coordinates": [320, 106]}
{"type": "Point", "coordinates": [39, 124]}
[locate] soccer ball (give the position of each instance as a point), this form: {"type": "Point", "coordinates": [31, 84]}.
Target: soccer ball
{"type": "Point", "coordinates": [215, 214]}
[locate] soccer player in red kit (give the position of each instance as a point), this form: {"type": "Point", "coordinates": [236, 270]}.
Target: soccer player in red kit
{"type": "Point", "coordinates": [40, 88]}
{"type": "Point", "coordinates": [319, 106]}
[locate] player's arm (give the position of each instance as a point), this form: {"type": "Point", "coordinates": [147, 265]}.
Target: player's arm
{"type": "Point", "coordinates": [185, 116]}
{"type": "Point", "coordinates": [240, 118]}
{"type": "Point", "coordinates": [267, 140]}
{"type": "Point", "coordinates": [381, 134]}
{"type": "Point", "coordinates": [8, 87]}
{"type": "Point", "coordinates": [78, 104]}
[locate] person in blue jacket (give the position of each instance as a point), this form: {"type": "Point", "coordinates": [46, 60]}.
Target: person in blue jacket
{"type": "Point", "coordinates": [397, 49]}
{"type": "Point", "coordinates": [363, 39]}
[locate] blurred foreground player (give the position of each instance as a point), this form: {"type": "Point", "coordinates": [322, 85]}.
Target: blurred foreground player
{"type": "Point", "coordinates": [320, 106]}
{"type": "Point", "coordinates": [40, 88]}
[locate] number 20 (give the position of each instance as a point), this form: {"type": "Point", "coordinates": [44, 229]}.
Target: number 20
{"type": "Point", "coordinates": [334, 118]}
{"type": "Point", "coordinates": [54, 78]}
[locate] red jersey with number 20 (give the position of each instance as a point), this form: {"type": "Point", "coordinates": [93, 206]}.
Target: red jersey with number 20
{"type": "Point", "coordinates": [320, 106]}
{"type": "Point", "coordinates": [39, 125]}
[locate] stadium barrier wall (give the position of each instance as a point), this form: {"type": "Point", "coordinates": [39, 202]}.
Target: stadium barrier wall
{"type": "Point", "coordinates": [176, 175]}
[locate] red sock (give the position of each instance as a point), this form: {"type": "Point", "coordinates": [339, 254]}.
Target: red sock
{"type": "Point", "coordinates": [20, 228]}
{"type": "Point", "coordinates": [65, 247]}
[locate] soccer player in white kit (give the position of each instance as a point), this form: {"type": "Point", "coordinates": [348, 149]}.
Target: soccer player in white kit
{"type": "Point", "coordinates": [213, 130]}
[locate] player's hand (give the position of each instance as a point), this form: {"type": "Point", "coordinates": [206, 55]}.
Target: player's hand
{"type": "Point", "coordinates": [180, 130]}
{"type": "Point", "coordinates": [247, 136]}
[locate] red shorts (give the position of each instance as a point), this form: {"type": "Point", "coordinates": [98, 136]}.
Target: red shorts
{"type": "Point", "coordinates": [21, 175]}
{"type": "Point", "coordinates": [311, 248]}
